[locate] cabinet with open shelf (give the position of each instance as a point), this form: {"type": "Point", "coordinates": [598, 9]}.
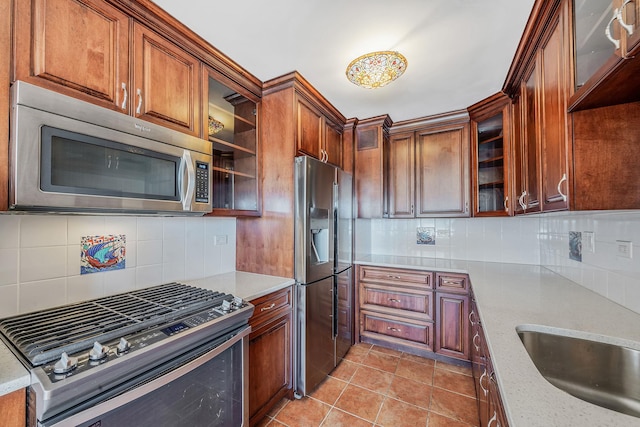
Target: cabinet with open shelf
{"type": "Point", "coordinates": [232, 122]}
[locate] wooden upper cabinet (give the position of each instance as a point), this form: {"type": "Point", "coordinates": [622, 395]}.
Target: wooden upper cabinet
{"type": "Point", "coordinates": [166, 82]}
{"type": "Point", "coordinates": [371, 160]}
{"type": "Point", "coordinates": [309, 128]}
{"type": "Point", "coordinates": [529, 194]}
{"type": "Point", "coordinates": [333, 144]}
{"type": "Point", "coordinates": [491, 143]}
{"type": "Point", "coordinates": [442, 171]}
{"type": "Point", "coordinates": [401, 183]}
{"type": "Point", "coordinates": [316, 135]}
{"type": "Point", "coordinates": [77, 47]}
{"type": "Point", "coordinates": [554, 141]}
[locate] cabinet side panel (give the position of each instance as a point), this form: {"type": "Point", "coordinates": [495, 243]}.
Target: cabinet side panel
{"type": "Point", "coordinates": [265, 244]}
{"type": "Point", "coordinates": [606, 161]}
{"type": "Point", "coordinates": [5, 79]}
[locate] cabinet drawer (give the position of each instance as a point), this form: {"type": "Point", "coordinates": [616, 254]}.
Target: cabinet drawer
{"type": "Point", "coordinates": [397, 276]}
{"type": "Point", "coordinates": [451, 282]}
{"type": "Point", "coordinates": [419, 332]}
{"type": "Point", "coordinates": [271, 305]}
{"type": "Point", "coordinates": [375, 297]}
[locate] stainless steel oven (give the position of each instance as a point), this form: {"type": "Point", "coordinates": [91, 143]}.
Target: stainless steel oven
{"type": "Point", "coordinates": [72, 156]}
{"type": "Point", "coordinates": [170, 355]}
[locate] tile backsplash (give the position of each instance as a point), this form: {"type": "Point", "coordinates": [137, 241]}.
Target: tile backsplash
{"type": "Point", "coordinates": [40, 256]}
{"type": "Point", "coordinates": [535, 239]}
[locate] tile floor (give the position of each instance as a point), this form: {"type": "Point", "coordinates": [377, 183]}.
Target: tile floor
{"type": "Point", "coordinates": [375, 386]}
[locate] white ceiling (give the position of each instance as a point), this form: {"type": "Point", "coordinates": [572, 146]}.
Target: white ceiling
{"type": "Point", "coordinates": [458, 51]}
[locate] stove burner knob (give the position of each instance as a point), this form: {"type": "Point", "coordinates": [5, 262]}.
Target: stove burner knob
{"type": "Point", "coordinates": [98, 352]}
{"type": "Point", "coordinates": [237, 302]}
{"type": "Point", "coordinates": [226, 306]}
{"type": "Point", "coordinates": [123, 346]}
{"type": "Point", "coordinates": [65, 364]}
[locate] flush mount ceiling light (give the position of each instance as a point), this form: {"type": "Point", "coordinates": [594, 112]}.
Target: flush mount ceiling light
{"type": "Point", "coordinates": [376, 69]}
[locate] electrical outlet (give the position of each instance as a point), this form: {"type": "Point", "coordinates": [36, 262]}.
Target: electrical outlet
{"type": "Point", "coordinates": [624, 249]}
{"type": "Point", "coordinates": [221, 239]}
{"type": "Point", "coordinates": [588, 241]}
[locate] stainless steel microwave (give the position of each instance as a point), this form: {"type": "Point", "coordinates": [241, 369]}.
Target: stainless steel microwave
{"type": "Point", "coordinates": [68, 155]}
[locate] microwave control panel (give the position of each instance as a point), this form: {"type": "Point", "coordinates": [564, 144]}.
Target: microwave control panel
{"type": "Point", "coordinates": [202, 182]}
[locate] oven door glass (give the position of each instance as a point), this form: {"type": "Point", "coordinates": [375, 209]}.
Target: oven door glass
{"type": "Point", "coordinates": [209, 395]}
{"type": "Point", "coordinates": [81, 164]}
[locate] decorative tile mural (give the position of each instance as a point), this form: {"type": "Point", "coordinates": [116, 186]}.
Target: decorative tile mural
{"type": "Point", "coordinates": [102, 253]}
{"type": "Point", "coordinates": [426, 235]}
{"type": "Point", "coordinates": [575, 245]}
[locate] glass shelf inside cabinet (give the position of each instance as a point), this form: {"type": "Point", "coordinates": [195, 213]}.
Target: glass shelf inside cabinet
{"type": "Point", "coordinates": [490, 164]}
{"type": "Point", "coordinates": [232, 132]}
{"type": "Point", "coordinates": [592, 48]}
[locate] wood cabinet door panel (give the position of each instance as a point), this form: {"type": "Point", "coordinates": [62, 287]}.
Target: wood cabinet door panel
{"type": "Point", "coordinates": [452, 331]}
{"type": "Point", "coordinates": [442, 176]}
{"type": "Point", "coordinates": [13, 409]}
{"type": "Point", "coordinates": [333, 145]}
{"type": "Point", "coordinates": [401, 176]}
{"type": "Point", "coordinates": [166, 83]}
{"type": "Point", "coordinates": [269, 366]}
{"type": "Point", "coordinates": [309, 129]}
{"type": "Point", "coordinates": [553, 138]}
{"type": "Point", "coordinates": [82, 45]}
{"type": "Point", "coordinates": [530, 131]}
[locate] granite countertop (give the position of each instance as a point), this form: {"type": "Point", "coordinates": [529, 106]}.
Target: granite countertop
{"type": "Point", "coordinates": [248, 286]}
{"type": "Point", "coordinates": [510, 295]}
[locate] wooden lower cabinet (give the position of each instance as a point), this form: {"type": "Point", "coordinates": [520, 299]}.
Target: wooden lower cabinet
{"type": "Point", "coordinates": [13, 407]}
{"type": "Point", "coordinates": [270, 353]}
{"type": "Point", "coordinates": [411, 311]}
{"type": "Point", "coordinates": [490, 408]}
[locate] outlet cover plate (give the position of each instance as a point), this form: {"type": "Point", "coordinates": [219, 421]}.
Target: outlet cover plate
{"type": "Point", "coordinates": [624, 249]}
{"type": "Point", "coordinates": [588, 241]}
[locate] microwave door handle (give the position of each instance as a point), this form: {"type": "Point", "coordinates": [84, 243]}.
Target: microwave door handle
{"type": "Point", "coordinates": [187, 171]}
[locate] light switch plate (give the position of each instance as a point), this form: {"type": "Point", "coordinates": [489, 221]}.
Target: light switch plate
{"type": "Point", "coordinates": [624, 248]}
{"type": "Point", "coordinates": [221, 239]}
{"type": "Point", "coordinates": [588, 241]}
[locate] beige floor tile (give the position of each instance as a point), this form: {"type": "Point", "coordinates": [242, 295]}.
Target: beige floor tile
{"type": "Point", "coordinates": [329, 390]}
{"type": "Point", "coordinates": [345, 370]}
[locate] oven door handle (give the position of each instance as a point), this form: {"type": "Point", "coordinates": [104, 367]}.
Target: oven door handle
{"type": "Point", "coordinates": [187, 172]}
{"type": "Point", "coordinates": [123, 399]}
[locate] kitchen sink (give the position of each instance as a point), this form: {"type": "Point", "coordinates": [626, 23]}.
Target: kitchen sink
{"type": "Point", "coordinates": [604, 374]}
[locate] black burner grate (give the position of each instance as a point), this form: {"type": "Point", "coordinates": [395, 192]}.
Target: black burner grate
{"type": "Point", "coordinates": [42, 336]}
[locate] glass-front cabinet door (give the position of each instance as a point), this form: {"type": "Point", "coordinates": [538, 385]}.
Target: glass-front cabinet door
{"type": "Point", "coordinates": [490, 154]}
{"type": "Point", "coordinates": [232, 123]}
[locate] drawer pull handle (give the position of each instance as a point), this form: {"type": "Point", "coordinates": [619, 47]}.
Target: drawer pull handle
{"type": "Point", "coordinates": [450, 282]}
{"type": "Point", "coordinates": [477, 346]}
{"type": "Point", "coordinates": [494, 418]}
{"type": "Point", "coordinates": [390, 276]}
{"type": "Point", "coordinates": [139, 107]}
{"type": "Point", "coordinates": [273, 304]}
{"type": "Point", "coordinates": [484, 374]}
{"type": "Point", "coordinates": [389, 328]}
{"type": "Point", "coordinates": [394, 300]}
{"type": "Point", "coordinates": [124, 96]}
{"type": "Point", "coordinates": [472, 314]}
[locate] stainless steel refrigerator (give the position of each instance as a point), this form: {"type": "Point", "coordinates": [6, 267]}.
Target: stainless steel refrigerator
{"type": "Point", "coordinates": [323, 270]}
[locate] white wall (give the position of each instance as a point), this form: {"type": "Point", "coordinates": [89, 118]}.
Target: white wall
{"type": "Point", "coordinates": [40, 256]}
{"type": "Point", "coordinates": [535, 239]}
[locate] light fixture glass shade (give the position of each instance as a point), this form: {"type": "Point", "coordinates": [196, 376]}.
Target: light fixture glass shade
{"type": "Point", "coordinates": [376, 69]}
